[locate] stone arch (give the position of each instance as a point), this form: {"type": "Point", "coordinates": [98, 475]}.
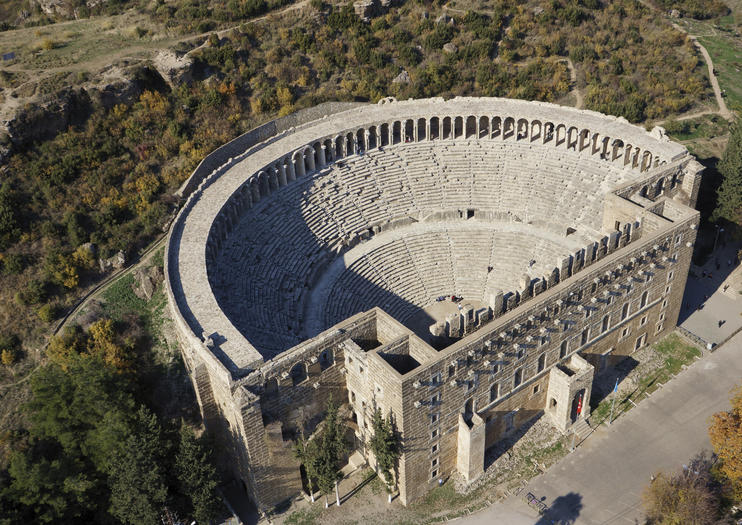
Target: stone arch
{"type": "Point", "coordinates": [496, 127]}
{"type": "Point", "coordinates": [309, 164]}
{"type": "Point", "coordinates": [508, 128]}
{"type": "Point", "coordinates": [521, 129]}
{"type": "Point", "coordinates": [446, 128]}
{"type": "Point", "coordinates": [435, 128]}
{"type": "Point", "coordinates": [471, 127]}
{"type": "Point", "coordinates": [326, 359]}
{"type": "Point", "coordinates": [255, 189]}
{"type": "Point", "coordinates": [536, 132]}
{"type": "Point", "coordinates": [297, 161]}
{"type": "Point", "coordinates": [339, 150]}
{"type": "Point", "coordinates": [660, 186]}
{"type": "Point", "coordinates": [270, 387]}
{"type": "Point", "coordinates": [548, 132]}
{"type": "Point", "coordinates": [458, 127]}
{"type": "Point", "coordinates": [616, 149]}
{"type": "Point", "coordinates": [384, 128]}
{"type": "Point", "coordinates": [396, 132]}
{"type": "Point", "coordinates": [674, 180]}
{"type": "Point", "coordinates": [373, 137]}
{"type": "Point", "coordinates": [420, 129]}
{"type": "Point", "coordinates": [329, 151]}
{"type": "Point", "coordinates": [272, 179]}
{"type": "Point", "coordinates": [360, 140]}
{"type": "Point", "coordinates": [646, 162]}
{"type": "Point", "coordinates": [484, 127]}
{"type": "Point", "coordinates": [628, 148]}
{"type": "Point", "coordinates": [298, 373]}
{"type": "Point", "coordinates": [561, 134]}
{"type": "Point", "coordinates": [263, 184]}
{"type": "Point", "coordinates": [636, 157]}
{"type": "Point", "coordinates": [643, 192]}
{"type": "Point", "coordinates": [318, 156]}
{"type": "Point", "coordinates": [409, 130]}
{"type": "Point", "coordinates": [349, 143]}
{"type": "Point", "coordinates": [601, 146]}
{"type": "Point", "coordinates": [572, 138]}
{"type": "Point", "coordinates": [584, 140]}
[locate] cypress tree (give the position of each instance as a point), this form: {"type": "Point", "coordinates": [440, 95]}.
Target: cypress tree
{"type": "Point", "coordinates": [729, 195]}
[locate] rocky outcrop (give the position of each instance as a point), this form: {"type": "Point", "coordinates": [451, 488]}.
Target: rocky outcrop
{"type": "Point", "coordinates": [112, 263]}
{"type": "Point", "coordinates": [146, 282]}
{"type": "Point", "coordinates": [175, 69]}
{"type": "Point", "coordinates": [47, 116]}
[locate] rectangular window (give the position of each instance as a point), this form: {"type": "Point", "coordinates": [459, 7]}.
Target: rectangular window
{"type": "Point", "coordinates": [667, 289]}
{"type": "Point", "coordinates": [624, 332]}
{"type": "Point", "coordinates": [643, 321]}
{"type": "Point", "coordinates": [640, 342]}
{"type": "Point", "coordinates": [352, 397]}
{"type": "Point", "coordinates": [433, 419]}
{"type": "Point", "coordinates": [435, 380]}
{"type": "Point", "coordinates": [435, 399]}
{"type": "Point", "coordinates": [451, 370]}
{"type": "Point", "coordinates": [517, 378]}
{"type": "Point", "coordinates": [434, 434]}
{"type": "Point", "coordinates": [434, 449]}
{"type": "Point", "coordinates": [605, 324]}
{"type": "Point", "coordinates": [521, 353]}
{"type": "Point", "coordinates": [494, 392]}
{"type": "Point", "coordinates": [625, 311]}
{"type": "Point", "coordinates": [585, 336]}
{"type": "Point", "coordinates": [670, 276]}
{"type": "Point", "coordinates": [434, 474]}
{"type": "Point", "coordinates": [661, 317]}
{"type": "Point", "coordinates": [541, 362]}
{"type": "Point", "coordinates": [563, 349]}
{"type": "Point", "coordinates": [659, 327]}
{"type": "Point", "coordinates": [587, 311]}
{"type": "Point", "coordinates": [536, 388]}
{"type": "Point", "coordinates": [434, 463]}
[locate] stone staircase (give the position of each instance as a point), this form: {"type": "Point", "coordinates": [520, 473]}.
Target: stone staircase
{"type": "Point", "coordinates": [582, 429]}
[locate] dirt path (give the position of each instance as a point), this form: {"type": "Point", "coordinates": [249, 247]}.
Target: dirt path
{"type": "Point", "coordinates": [573, 83]}
{"type": "Point", "coordinates": [723, 110]}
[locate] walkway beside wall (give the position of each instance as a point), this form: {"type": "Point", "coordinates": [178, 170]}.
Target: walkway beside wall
{"type": "Point", "coordinates": [601, 482]}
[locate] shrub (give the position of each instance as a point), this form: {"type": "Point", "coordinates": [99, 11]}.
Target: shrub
{"type": "Point", "coordinates": [47, 313]}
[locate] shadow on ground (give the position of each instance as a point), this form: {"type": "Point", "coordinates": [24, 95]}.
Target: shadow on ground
{"type": "Point", "coordinates": [564, 510]}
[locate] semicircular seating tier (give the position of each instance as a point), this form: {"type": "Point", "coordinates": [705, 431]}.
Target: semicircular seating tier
{"type": "Point", "coordinates": [278, 250]}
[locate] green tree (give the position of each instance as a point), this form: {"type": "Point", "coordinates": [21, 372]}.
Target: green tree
{"type": "Point", "coordinates": [138, 488]}
{"type": "Point", "coordinates": [385, 445]}
{"type": "Point", "coordinates": [308, 453]}
{"type": "Point", "coordinates": [726, 438]}
{"type": "Point", "coordinates": [686, 497]}
{"type": "Point", "coordinates": [331, 446]}
{"type": "Point", "coordinates": [729, 195]}
{"type": "Point", "coordinates": [8, 223]}
{"type": "Point", "coordinates": [196, 475]}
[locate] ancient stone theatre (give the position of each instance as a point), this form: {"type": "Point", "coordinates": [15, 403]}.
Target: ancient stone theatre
{"type": "Point", "coordinates": [466, 264]}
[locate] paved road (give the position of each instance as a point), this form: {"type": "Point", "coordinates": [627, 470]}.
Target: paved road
{"type": "Point", "coordinates": [706, 304]}
{"type": "Point", "coordinates": [600, 483]}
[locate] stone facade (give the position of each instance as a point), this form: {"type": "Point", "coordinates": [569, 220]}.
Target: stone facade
{"type": "Point", "coordinates": [318, 222]}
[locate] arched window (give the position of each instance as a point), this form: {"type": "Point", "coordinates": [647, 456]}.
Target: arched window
{"type": "Point", "coordinates": [326, 359]}
{"type": "Point", "coordinates": [271, 387]}
{"type": "Point", "coordinates": [563, 349]}
{"type": "Point", "coordinates": [606, 324]}
{"type": "Point", "coordinates": [298, 373]}
{"type": "Point", "coordinates": [542, 362]}
{"type": "Point", "coordinates": [643, 301]}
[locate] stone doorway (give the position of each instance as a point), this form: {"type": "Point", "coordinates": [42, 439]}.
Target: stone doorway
{"type": "Point", "coordinates": [579, 395]}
